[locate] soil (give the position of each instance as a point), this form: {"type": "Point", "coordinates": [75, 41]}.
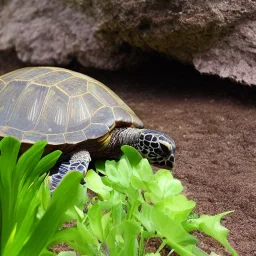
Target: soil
{"type": "Point", "coordinates": [213, 122]}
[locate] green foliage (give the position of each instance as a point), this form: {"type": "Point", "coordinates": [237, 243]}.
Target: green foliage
{"type": "Point", "coordinates": [133, 204]}
{"type": "Point", "coordinates": [30, 218]}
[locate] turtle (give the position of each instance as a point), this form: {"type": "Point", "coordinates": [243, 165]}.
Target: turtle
{"type": "Point", "coordinates": [76, 114]}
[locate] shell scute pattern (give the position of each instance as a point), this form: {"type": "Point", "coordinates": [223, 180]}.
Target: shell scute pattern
{"type": "Point", "coordinates": [78, 115]}
{"type": "Point", "coordinates": [12, 132]}
{"type": "Point", "coordinates": [52, 78]}
{"type": "Point", "coordinates": [59, 105]}
{"type": "Point", "coordinates": [53, 117]}
{"type": "Point", "coordinates": [93, 105]}
{"type": "Point", "coordinates": [72, 137]}
{"type": "Point", "coordinates": [121, 115]}
{"type": "Point", "coordinates": [104, 115]}
{"type": "Point", "coordinates": [94, 131]}
{"type": "Point", "coordinates": [34, 136]}
{"type": "Point", "coordinates": [32, 74]}
{"type": "Point", "coordinates": [14, 74]}
{"type": "Point", "coordinates": [26, 115]}
{"type": "Point", "coordinates": [73, 86]}
{"type": "Point", "coordinates": [8, 98]}
{"type": "Point", "coordinates": [102, 94]}
{"type": "Point", "coordinates": [56, 139]}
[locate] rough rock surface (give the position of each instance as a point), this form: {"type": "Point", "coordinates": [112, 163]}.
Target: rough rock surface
{"type": "Point", "coordinates": [218, 37]}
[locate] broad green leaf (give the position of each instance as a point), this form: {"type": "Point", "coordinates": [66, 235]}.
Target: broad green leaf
{"type": "Point", "coordinates": [99, 223]}
{"type": "Point", "coordinates": [75, 212]}
{"type": "Point", "coordinates": [9, 147]}
{"type": "Point", "coordinates": [26, 218]}
{"type": "Point", "coordinates": [114, 199]}
{"type": "Point", "coordinates": [28, 162]}
{"type": "Point", "coordinates": [114, 240]}
{"type": "Point", "coordinates": [144, 216]}
{"type": "Point", "coordinates": [62, 198]}
{"type": "Point", "coordinates": [8, 188]}
{"type": "Point", "coordinates": [89, 244]}
{"type": "Point", "coordinates": [177, 238]}
{"type": "Point", "coordinates": [113, 173]}
{"type": "Point", "coordinates": [47, 162]}
{"type": "Point", "coordinates": [80, 234]}
{"type": "Point", "coordinates": [44, 193]}
{"type": "Point", "coordinates": [142, 175]}
{"type": "Point", "coordinates": [163, 186]}
{"type": "Point", "coordinates": [100, 166]}
{"type": "Point", "coordinates": [122, 239]}
{"type": "Point", "coordinates": [94, 183]}
{"type": "Point", "coordinates": [118, 214]}
{"type": "Point", "coordinates": [176, 207]}
{"type": "Point", "coordinates": [130, 231]}
{"type": "Point", "coordinates": [106, 223]}
{"type": "Point", "coordinates": [211, 226]}
{"type": "Point", "coordinates": [95, 216]}
{"type": "Point", "coordinates": [132, 155]}
{"type": "Point", "coordinates": [80, 238]}
{"type": "Point", "coordinates": [119, 174]}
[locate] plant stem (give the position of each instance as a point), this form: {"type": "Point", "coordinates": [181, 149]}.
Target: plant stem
{"type": "Point", "coordinates": [141, 246]}
{"type": "Point", "coordinates": [161, 246]}
{"type": "Point", "coordinates": [131, 210]}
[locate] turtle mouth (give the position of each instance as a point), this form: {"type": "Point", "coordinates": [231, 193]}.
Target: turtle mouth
{"type": "Point", "coordinates": [170, 164]}
{"type": "Point", "coordinates": [167, 164]}
{"type": "Point", "coordinates": [170, 161]}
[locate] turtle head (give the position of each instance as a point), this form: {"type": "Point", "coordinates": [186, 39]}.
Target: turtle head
{"type": "Point", "coordinates": [157, 147]}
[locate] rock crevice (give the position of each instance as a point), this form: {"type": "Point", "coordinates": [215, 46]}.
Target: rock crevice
{"type": "Point", "coordinates": [217, 37]}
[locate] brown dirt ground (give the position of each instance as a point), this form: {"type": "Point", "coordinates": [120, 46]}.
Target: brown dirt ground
{"type": "Point", "coordinates": [213, 122]}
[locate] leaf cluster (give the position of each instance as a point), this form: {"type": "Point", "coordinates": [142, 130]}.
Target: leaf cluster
{"type": "Point", "coordinates": [133, 204]}
{"type": "Point", "coordinates": [30, 218]}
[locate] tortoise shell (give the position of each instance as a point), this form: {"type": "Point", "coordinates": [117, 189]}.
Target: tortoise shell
{"type": "Point", "coordinates": [60, 106]}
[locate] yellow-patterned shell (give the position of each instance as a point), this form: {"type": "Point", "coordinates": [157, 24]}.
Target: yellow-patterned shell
{"type": "Point", "coordinates": [60, 106]}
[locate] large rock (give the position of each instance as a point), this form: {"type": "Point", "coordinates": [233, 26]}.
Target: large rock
{"type": "Point", "coordinates": [218, 37]}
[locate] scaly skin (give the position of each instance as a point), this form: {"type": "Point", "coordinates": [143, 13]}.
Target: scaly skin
{"type": "Point", "coordinates": [157, 147]}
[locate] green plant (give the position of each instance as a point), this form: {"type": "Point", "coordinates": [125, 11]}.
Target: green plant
{"type": "Point", "coordinates": [132, 205]}
{"type": "Point", "coordinates": [29, 217]}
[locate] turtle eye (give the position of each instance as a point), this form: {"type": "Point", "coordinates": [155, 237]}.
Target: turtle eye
{"type": "Point", "coordinates": [165, 149]}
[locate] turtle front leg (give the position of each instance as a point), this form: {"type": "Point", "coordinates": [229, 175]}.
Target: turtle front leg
{"type": "Point", "coordinates": [79, 161]}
